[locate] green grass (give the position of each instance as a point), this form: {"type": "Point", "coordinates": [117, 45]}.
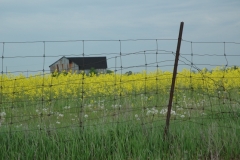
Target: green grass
{"type": "Point", "coordinates": [126, 141]}
{"type": "Point", "coordinates": [203, 127]}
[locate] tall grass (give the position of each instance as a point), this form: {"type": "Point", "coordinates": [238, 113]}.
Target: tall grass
{"type": "Point", "coordinates": [187, 140]}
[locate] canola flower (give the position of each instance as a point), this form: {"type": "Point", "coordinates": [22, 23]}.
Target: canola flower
{"type": "Point", "coordinates": [48, 87]}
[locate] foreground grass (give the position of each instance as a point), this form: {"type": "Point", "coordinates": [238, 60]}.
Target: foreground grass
{"type": "Point", "coordinates": [202, 127]}
{"type": "Point", "coordinates": [187, 139]}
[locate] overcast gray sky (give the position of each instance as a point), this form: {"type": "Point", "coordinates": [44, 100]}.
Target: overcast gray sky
{"type": "Point", "coordinates": [27, 20]}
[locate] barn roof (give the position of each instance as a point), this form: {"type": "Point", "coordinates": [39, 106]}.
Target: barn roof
{"type": "Point", "coordinates": [88, 62]}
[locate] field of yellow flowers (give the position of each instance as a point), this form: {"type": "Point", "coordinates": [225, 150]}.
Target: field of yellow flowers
{"type": "Point", "coordinates": [19, 88]}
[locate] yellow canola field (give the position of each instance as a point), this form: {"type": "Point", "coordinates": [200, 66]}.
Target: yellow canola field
{"type": "Point", "coordinates": [77, 85]}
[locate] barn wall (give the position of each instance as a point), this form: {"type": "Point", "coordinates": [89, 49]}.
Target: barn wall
{"type": "Point", "coordinates": [63, 65]}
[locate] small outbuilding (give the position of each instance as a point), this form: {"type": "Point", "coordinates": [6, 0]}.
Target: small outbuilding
{"type": "Point", "coordinates": [79, 64]}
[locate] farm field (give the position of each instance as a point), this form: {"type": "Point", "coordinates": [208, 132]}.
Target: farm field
{"type": "Point", "coordinates": [114, 116]}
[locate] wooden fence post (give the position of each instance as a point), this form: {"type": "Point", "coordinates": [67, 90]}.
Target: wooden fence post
{"type": "Point", "coordinates": [173, 80]}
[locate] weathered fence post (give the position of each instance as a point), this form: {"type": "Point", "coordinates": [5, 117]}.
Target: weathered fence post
{"type": "Point", "coordinates": [173, 80]}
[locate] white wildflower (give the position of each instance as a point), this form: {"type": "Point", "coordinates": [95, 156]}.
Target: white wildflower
{"type": "Point", "coordinates": [86, 116]}
{"type": "Point", "coordinates": [149, 112]}
{"type": "Point", "coordinates": [136, 115]}
{"type": "Point", "coordinates": [58, 122]}
{"type": "Point", "coordinates": [116, 106]}
{"type": "Point", "coordinates": [45, 109]}
{"type": "Point", "coordinates": [60, 115]}
{"type": "Point", "coordinates": [182, 116]}
{"type": "Point", "coordinates": [154, 111]}
{"type": "Point", "coordinates": [173, 112]}
{"type": "Point", "coordinates": [66, 107]}
{"type": "Point", "coordinates": [2, 114]}
{"type": "Point", "coordinates": [163, 111]}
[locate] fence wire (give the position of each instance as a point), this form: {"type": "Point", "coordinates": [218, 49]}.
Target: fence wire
{"type": "Point", "coordinates": [134, 89]}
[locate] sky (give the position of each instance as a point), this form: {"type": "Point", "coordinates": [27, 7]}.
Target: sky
{"type": "Point", "coordinates": [141, 20]}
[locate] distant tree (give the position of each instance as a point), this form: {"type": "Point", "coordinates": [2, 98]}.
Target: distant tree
{"type": "Point", "coordinates": [128, 73]}
{"type": "Point", "coordinates": [109, 72]}
{"type": "Point", "coordinates": [92, 71]}
{"type": "Point", "coordinates": [234, 67]}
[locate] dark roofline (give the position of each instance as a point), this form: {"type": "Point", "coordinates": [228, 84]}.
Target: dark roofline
{"type": "Point", "coordinates": [89, 62]}
{"type": "Point", "coordinates": [75, 60]}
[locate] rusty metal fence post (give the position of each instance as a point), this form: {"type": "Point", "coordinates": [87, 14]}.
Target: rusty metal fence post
{"type": "Point", "coordinates": [173, 80]}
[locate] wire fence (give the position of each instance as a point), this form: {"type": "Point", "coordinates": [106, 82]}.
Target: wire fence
{"type": "Point", "coordinates": [134, 88]}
